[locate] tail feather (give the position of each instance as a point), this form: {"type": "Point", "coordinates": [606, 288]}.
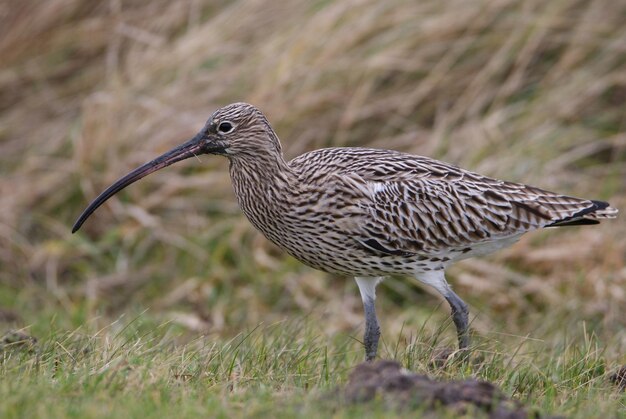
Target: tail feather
{"type": "Point", "coordinates": [591, 215]}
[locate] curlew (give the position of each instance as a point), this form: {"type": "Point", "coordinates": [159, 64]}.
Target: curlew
{"type": "Point", "coordinates": [370, 213]}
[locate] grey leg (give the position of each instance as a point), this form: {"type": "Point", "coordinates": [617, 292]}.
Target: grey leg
{"type": "Point", "coordinates": [460, 316]}
{"type": "Point", "coordinates": [367, 287]}
{"type": "Point", "coordinates": [460, 312]}
{"type": "Point", "coordinates": [372, 330]}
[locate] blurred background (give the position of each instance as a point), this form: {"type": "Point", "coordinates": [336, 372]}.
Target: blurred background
{"type": "Point", "coordinates": [531, 91]}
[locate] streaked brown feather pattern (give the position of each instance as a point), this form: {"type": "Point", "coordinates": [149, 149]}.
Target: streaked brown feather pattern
{"type": "Point", "coordinates": [362, 211]}
{"type": "Point", "coordinates": [419, 205]}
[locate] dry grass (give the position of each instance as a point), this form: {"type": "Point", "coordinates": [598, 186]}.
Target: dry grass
{"type": "Point", "coordinates": [530, 91]}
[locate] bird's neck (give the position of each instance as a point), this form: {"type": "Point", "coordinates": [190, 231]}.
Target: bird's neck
{"type": "Point", "coordinates": [261, 182]}
{"type": "Point", "coordinates": [259, 169]}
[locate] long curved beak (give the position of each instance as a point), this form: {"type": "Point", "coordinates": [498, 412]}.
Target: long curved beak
{"type": "Point", "coordinates": [197, 145]}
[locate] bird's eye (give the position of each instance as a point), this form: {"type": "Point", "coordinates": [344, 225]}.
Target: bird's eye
{"type": "Point", "coordinates": [225, 127]}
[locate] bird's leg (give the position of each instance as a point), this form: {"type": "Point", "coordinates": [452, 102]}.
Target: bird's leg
{"type": "Point", "coordinates": [460, 312]}
{"type": "Point", "coordinates": [367, 287]}
{"type": "Point", "coordinates": [460, 316]}
{"type": "Point", "coordinates": [372, 330]}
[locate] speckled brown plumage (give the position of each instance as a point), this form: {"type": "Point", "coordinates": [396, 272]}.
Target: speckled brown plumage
{"type": "Point", "coordinates": [369, 213]}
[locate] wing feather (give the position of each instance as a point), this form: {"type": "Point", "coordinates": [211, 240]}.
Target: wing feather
{"type": "Point", "coordinates": [411, 204]}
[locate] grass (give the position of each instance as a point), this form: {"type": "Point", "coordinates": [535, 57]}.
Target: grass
{"type": "Point", "coordinates": [529, 91]}
{"type": "Point", "coordinates": [136, 368]}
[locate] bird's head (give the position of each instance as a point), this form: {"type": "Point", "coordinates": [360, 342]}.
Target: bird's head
{"type": "Point", "coordinates": [240, 130]}
{"type": "Point", "coordinates": [236, 131]}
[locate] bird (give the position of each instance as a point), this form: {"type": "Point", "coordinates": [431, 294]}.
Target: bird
{"type": "Point", "coordinates": [369, 213]}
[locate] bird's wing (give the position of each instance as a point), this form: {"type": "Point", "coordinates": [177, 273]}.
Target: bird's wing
{"type": "Point", "coordinates": [398, 203]}
{"type": "Point", "coordinates": [434, 213]}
